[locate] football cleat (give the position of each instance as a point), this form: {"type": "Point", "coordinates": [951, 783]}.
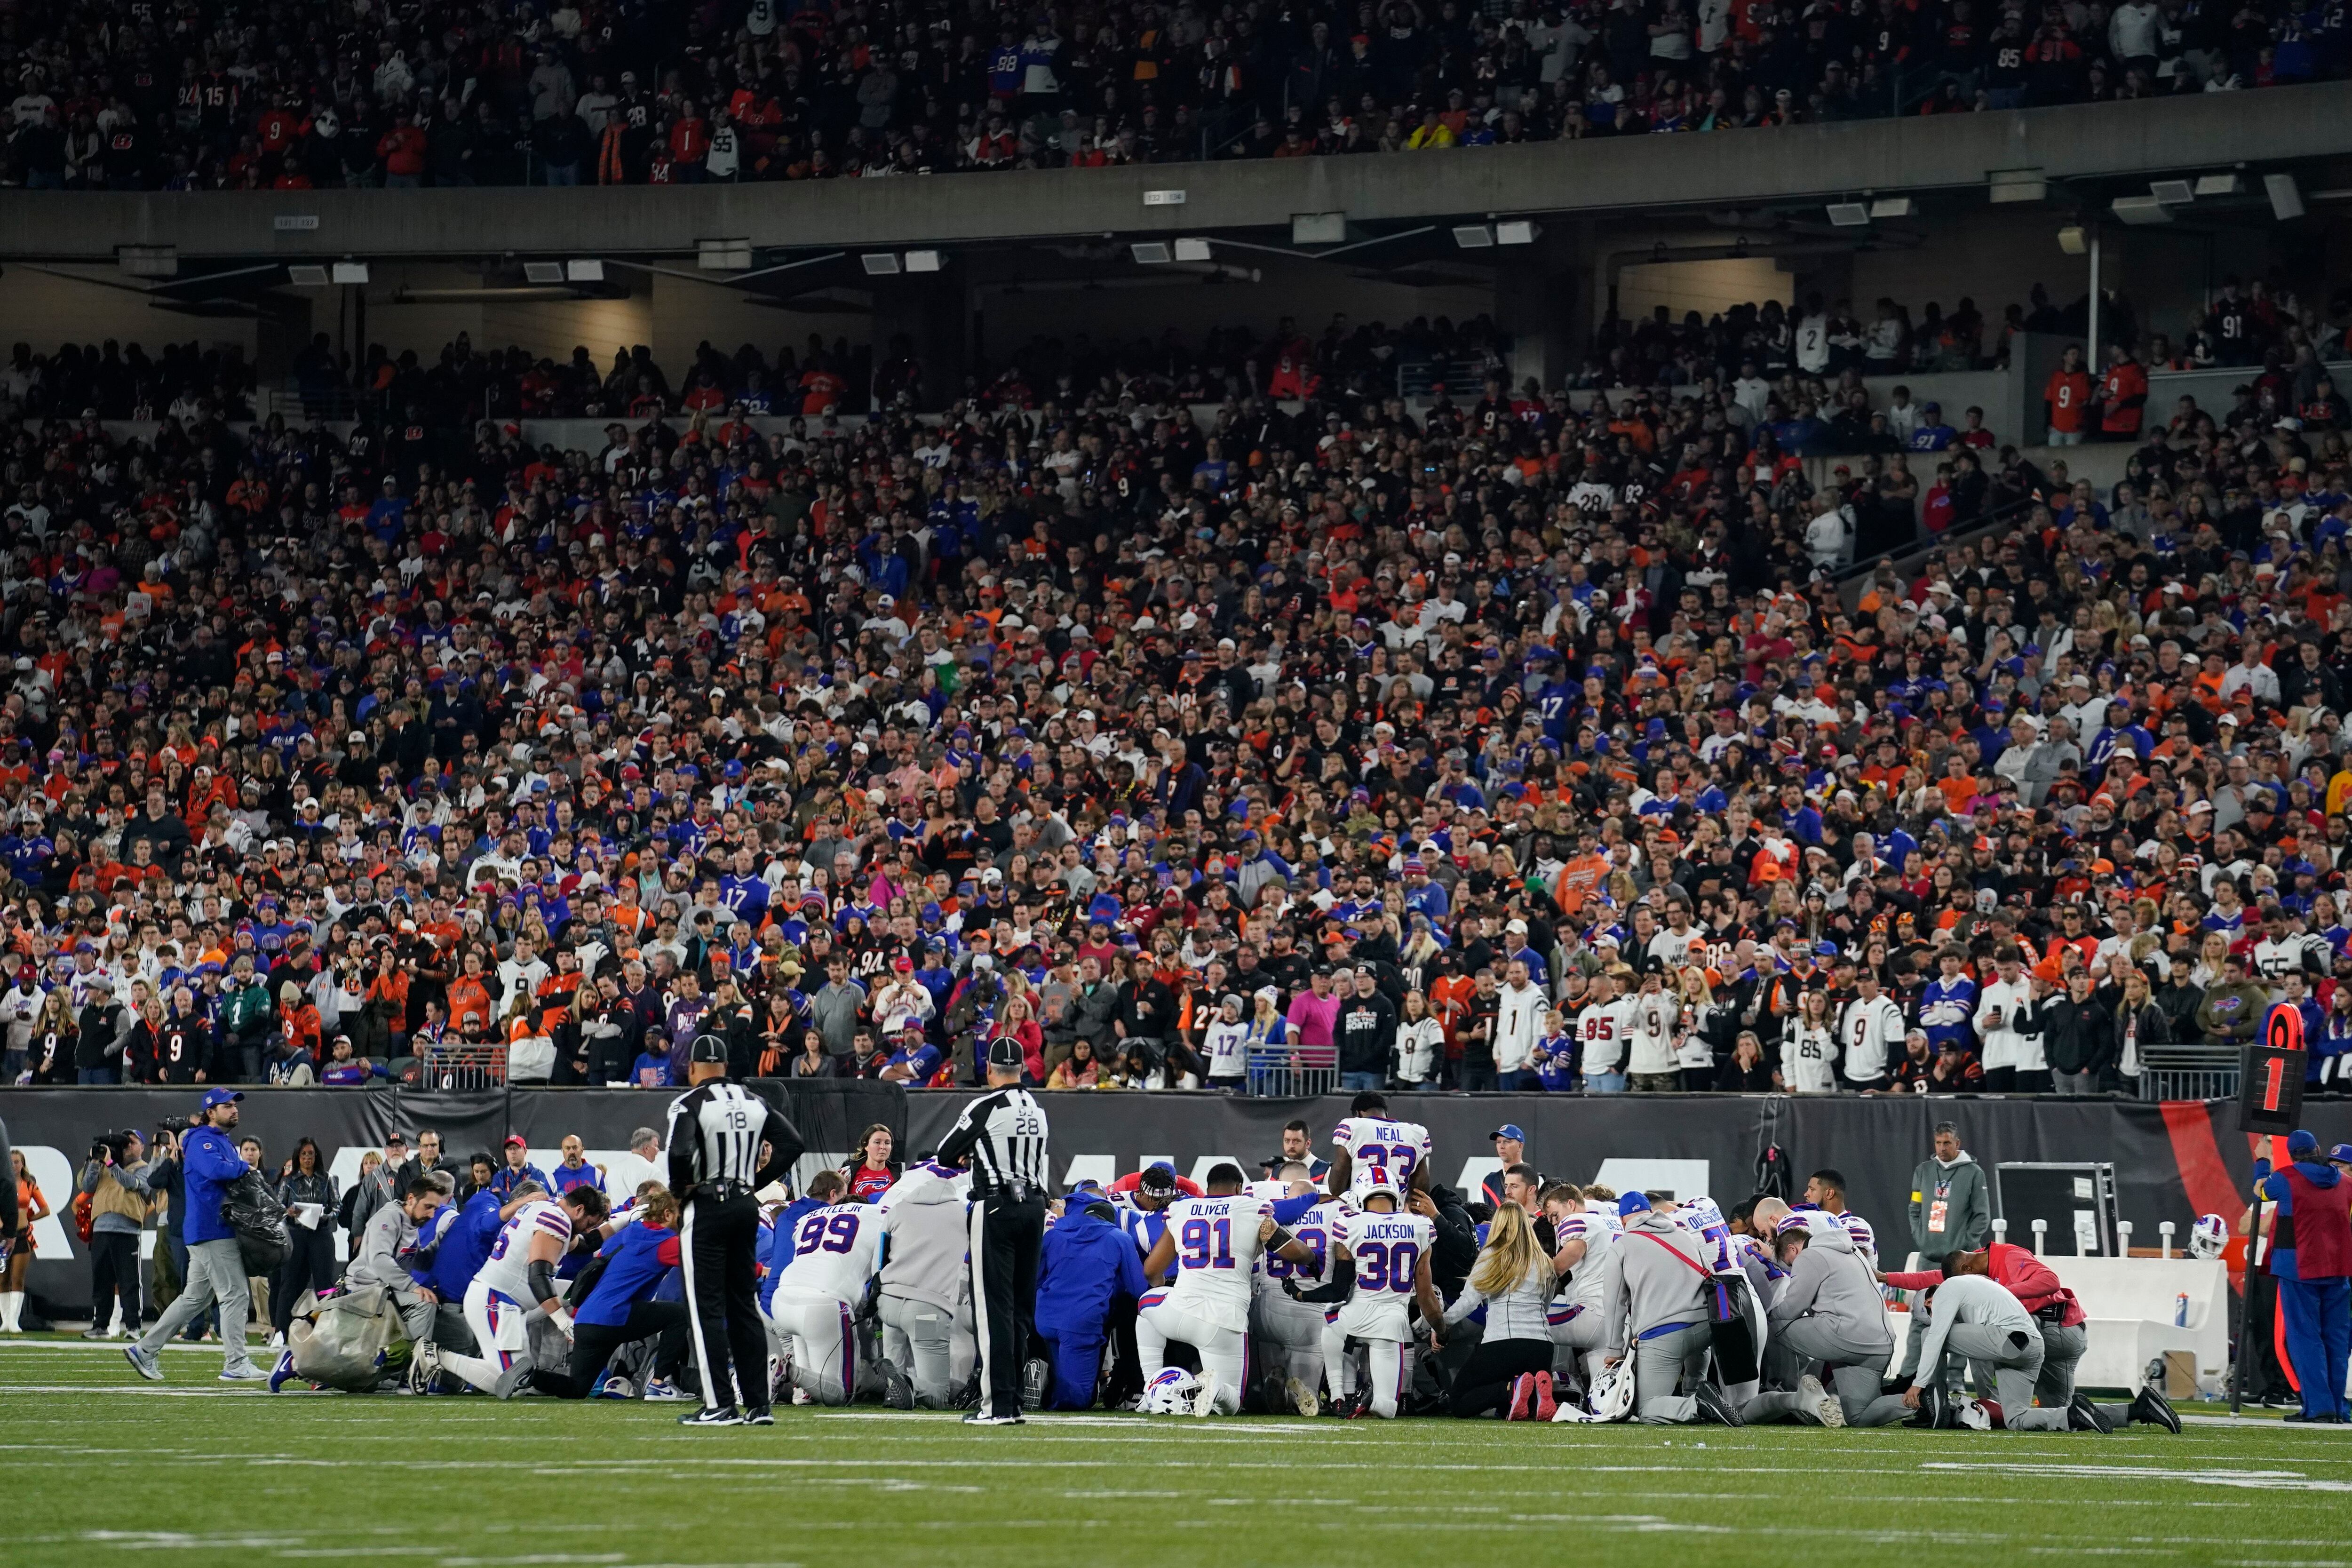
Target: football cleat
{"type": "Point", "coordinates": [1820, 1402]}
{"type": "Point", "coordinates": [897, 1389]}
{"type": "Point", "coordinates": [1204, 1397]}
{"type": "Point", "coordinates": [2151, 1408]}
{"type": "Point", "coordinates": [1303, 1399]}
{"type": "Point", "coordinates": [758, 1415]}
{"type": "Point", "coordinates": [1523, 1398]}
{"type": "Point", "coordinates": [1547, 1403]}
{"type": "Point", "coordinates": [283, 1372]}
{"type": "Point", "coordinates": [1716, 1407]}
{"type": "Point", "coordinates": [2082, 1415]}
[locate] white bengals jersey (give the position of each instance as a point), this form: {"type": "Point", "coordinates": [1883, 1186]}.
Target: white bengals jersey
{"type": "Point", "coordinates": [1600, 1231]}
{"type": "Point", "coordinates": [1809, 1055]}
{"type": "Point", "coordinates": [832, 1253]}
{"type": "Point", "coordinates": [1601, 1031]}
{"type": "Point", "coordinates": [1217, 1249]}
{"type": "Point", "coordinates": [1396, 1147]}
{"type": "Point", "coordinates": [507, 1269]}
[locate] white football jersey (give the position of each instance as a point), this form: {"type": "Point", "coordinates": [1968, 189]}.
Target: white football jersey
{"type": "Point", "coordinates": [1808, 1056]}
{"type": "Point", "coordinates": [1599, 1230]}
{"type": "Point", "coordinates": [1601, 1031]}
{"type": "Point", "coordinates": [1314, 1230]}
{"type": "Point", "coordinates": [1216, 1250]}
{"type": "Point", "coordinates": [1387, 1249]}
{"type": "Point", "coordinates": [1396, 1147]}
{"type": "Point", "coordinates": [832, 1253]}
{"type": "Point", "coordinates": [507, 1269]}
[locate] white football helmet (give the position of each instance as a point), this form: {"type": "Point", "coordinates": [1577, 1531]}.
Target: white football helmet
{"type": "Point", "coordinates": [1611, 1399]}
{"type": "Point", "coordinates": [2209, 1236]}
{"type": "Point", "coordinates": [1171, 1392]}
{"type": "Point", "coordinates": [1378, 1180]}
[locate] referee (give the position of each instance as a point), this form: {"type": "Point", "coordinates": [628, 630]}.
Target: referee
{"type": "Point", "coordinates": [725, 1143]}
{"type": "Point", "coordinates": [1001, 1135]}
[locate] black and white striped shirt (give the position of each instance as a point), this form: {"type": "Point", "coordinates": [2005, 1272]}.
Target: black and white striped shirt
{"type": "Point", "coordinates": [1004, 1132]}
{"type": "Point", "coordinates": [715, 1134]}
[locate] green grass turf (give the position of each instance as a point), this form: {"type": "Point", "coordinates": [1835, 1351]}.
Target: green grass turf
{"type": "Point", "coordinates": [99, 1468]}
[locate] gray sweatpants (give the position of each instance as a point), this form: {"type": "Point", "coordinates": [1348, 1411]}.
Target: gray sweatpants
{"type": "Point", "coordinates": [1576, 1347]}
{"type": "Point", "coordinates": [2012, 1370]}
{"type": "Point", "coordinates": [1661, 1366]}
{"type": "Point", "coordinates": [215, 1275]}
{"type": "Point", "coordinates": [919, 1339]}
{"type": "Point", "coordinates": [1853, 1365]}
{"type": "Point", "coordinates": [2062, 1347]}
{"type": "Point", "coordinates": [1908, 1372]}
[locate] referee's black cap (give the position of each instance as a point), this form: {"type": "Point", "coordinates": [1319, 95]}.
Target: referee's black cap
{"type": "Point", "coordinates": [1004, 1051]}
{"type": "Point", "coordinates": [707, 1048]}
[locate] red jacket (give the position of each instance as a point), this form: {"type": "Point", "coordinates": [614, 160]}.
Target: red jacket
{"type": "Point", "coordinates": [2030, 1279]}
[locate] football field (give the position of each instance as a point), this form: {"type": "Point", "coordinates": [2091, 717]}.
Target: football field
{"type": "Point", "coordinates": [101, 1469]}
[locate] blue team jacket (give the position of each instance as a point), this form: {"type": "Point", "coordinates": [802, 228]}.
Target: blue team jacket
{"type": "Point", "coordinates": [1084, 1263]}
{"type": "Point", "coordinates": [213, 1162]}
{"type": "Point", "coordinates": [642, 1256]}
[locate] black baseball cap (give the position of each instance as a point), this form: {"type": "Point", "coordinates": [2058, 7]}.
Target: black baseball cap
{"type": "Point", "coordinates": [707, 1048]}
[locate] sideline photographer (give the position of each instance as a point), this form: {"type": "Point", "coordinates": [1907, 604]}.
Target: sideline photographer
{"type": "Point", "coordinates": [116, 1180]}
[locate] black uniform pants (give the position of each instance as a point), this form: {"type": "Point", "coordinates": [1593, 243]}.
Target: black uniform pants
{"type": "Point", "coordinates": [1484, 1381]}
{"type": "Point", "coordinates": [593, 1345]}
{"type": "Point", "coordinates": [114, 1272]}
{"type": "Point", "coordinates": [309, 1266]}
{"type": "Point", "coordinates": [720, 1243]}
{"type": "Point", "coordinates": [1006, 1233]}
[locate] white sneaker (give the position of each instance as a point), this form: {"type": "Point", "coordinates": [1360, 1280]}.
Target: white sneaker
{"type": "Point", "coordinates": [1819, 1401]}
{"type": "Point", "coordinates": [248, 1373]}
{"type": "Point", "coordinates": [662, 1391]}
{"type": "Point", "coordinates": [277, 1342]}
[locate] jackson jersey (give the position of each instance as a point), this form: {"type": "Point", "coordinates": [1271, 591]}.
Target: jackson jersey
{"type": "Point", "coordinates": [1216, 1248]}
{"type": "Point", "coordinates": [1396, 1147]}
{"type": "Point", "coordinates": [1387, 1248]}
{"type": "Point", "coordinates": [832, 1253]}
{"type": "Point", "coordinates": [506, 1270]}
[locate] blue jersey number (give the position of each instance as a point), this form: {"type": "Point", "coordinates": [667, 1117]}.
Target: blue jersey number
{"type": "Point", "coordinates": [836, 1234]}
{"type": "Point", "coordinates": [1277, 1267]}
{"type": "Point", "coordinates": [1386, 1266]}
{"type": "Point", "coordinates": [1207, 1243]}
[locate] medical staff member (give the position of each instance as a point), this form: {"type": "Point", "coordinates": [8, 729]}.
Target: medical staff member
{"type": "Point", "coordinates": [2311, 1262]}
{"type": "Point", "coordinates": [1087, 1263]}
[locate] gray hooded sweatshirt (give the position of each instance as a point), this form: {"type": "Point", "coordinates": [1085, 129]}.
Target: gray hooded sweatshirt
{"type": "Point", "coordinates": [1830, 1281]}
{"type": "Point", "coordinates": [1642, 1286]}
{"type": "Point", "coordinates": [923, 1216]}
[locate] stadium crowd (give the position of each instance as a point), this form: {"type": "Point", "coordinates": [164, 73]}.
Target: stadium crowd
{"type": "Point", "coordinates": [1518, 743]}
{"type": "Point", "coordinates": [662, 92]}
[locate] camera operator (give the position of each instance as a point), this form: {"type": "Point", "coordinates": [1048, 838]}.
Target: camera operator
{"type": "Point", "coordinates": [117, 1179]}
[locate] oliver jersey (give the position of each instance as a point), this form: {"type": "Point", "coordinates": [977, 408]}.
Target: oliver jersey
{"type": "Point", "coordinates": [1387, 1248]}
{"type": "Point", "coordinates": [507, 1269]}
{"type": "Point", "coordinates": [832, 1253]}
{"type": "Point", "coordinates": [1217, 1247]}
{"type": "Point", "coordinates": [1397, 1147]}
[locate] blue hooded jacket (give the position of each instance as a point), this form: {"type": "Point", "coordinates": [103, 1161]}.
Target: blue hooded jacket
{"type": "Point", "coordinates": [213, 1162]}
{"type": "Point", "coordinates": [1086, 1261]}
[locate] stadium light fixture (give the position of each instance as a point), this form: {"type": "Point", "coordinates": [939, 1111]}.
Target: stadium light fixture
{"type": "Point", "coordinates": [2220, 186]}
{"type": "Point", "coordinates": [2005, 186]}
{"type": "Point", "coordinates": [2286, 197]}
{"type": "Point", "coordinates": [2073, 239]}
{"type": "Point", "coordinates": [1150, 253]}
{"type": "Point", "coordinates": [2140, 211]}
{"type": "Point", "coordinates": [1892, 206]}
{"type": "Point", "coordinates": [307, 276]}
{"type": "Point", "coordinates": [922, 261]}
{"type": "Point", "coordinates": [148, 260]}
{"type": "Point", "coordinates": [1318, 228]}
{"type": "Point", "coordinates": [350, 272]}
{"type": "Point", "coordinates": [2172, 193]}
{"type": "Point", "coordinates": [1192, 250]}
{"type": "Point", "coordinates": [588, 271]}
{"type": "Point", "coordinates": [1515, 231]}
{"type": "Point", "coordinates": [1473, 236]}
{"type": "Point", "coordinates": [880, 264]}
{"type": "Point", "coordinates": [1849, 215]}
{"type": "Point", "coordinates": [722, 255]}
{"type": "Point", "coordinates": [543, 272]}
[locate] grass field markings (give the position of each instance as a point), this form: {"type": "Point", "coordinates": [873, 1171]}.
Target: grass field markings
{"type": "Point", "coordinates": [2260, 1480]}
{"type": "Point", "coordinates": [535, 1557]}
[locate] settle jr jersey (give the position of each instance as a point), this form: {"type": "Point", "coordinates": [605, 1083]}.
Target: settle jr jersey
{"type": "Point", "coordinates": [832, 1253]}
{"type": "Point", "coordinates": [507, 1269]}
{"type": "Point", "coordinates": [1396, 1147]}
{"type": "Point", "coordinates": [1217, 1250]}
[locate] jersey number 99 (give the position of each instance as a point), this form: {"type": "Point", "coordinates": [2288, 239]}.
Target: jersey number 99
{"type": "Point", "coordinates": [837, 1232]}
